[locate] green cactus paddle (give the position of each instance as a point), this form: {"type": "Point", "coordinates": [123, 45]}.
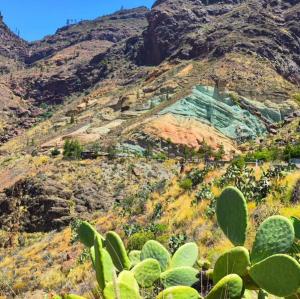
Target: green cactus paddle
{"type": "Point", "coordinates": [236, 260]}
{"type": "Point", "coordinates": [147, 272]}
{"type": "Point", "coordinates": [179, 292]}
{"type": "Point", "coordinates": [278, 274]}
{"type": "Point", "coordinates": [275, 235]}
{"type": "Point", "coordinates": [103, 264]}
{"type": "Point", "coordinates": [186, 255]}
{"type": "Point", "coordinates": [117, 251]}
{"type": "Point", "coordinates": [229, 287]}
{"type": "Point", "coordinates": [153, 249]}
{"type": "Point", "coordinates": [232, 215]}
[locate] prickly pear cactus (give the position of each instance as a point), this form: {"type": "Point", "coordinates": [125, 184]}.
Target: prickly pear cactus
{"type": "Point", "coordinates": [275, 235]}
{"type": "Point", "coordinates": [186, 255]}
{"type": "Point", "coordinates": [147, 272]}
{"type": "Point", "coordinates": [103, 264]}
{"type": "Point", "coordinates": [278, 274]}
{"type": "Point", "coordinates": [296, 224]}
{"type": "Point", "coordinates": [180, 276]}
{"type": "Point", "coordinates": [232, 215]}
{"type": "Point", "coordinates": [120, 290]}
{"type": "Point", "coordinates": [127, 277]}
{"type": "Point", "coordinates": [249, 295]}
{"type": "Point", "coordinates": [92, 255]}
{"type": "Point", "coordinates": [87, 234]}
{"type": "Point", "coordinates": [135, 257]}
{"type": "Point", "coordinates": [153, 249]}
{"type": "Point", "coordinates": [236, 260]}
{"type": "Point", "coordinates": [229, 287]}
{"type": "Point", "coordinates": [117, 251]}
{"type": "Point", "coordinates": [179, 292]}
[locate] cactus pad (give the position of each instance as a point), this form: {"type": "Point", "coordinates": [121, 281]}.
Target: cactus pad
{"type": "Point", "coordinates": [180, 276]}
{"type": "Point", "coordinates": [278, 274]}
{"type": "Point", "coordinates": [147, 272]}
{"type": "Point", "coordinates": [135, 257]}
{"type": "Point", "coordinates": [121, 291]}
{"type": "Point", "coordinates": [186, 255]}
{"type": "Point", "coordinates": [127, 277]}
{"type": "Point", "coordinates": [92, 255]}
{"type": "Point", "coordinates": [249, 294]}
{"type": "Point", "coordinates": [179, 292]}
{"type": "Point", "coordinates": [275, 235]}
{"type": "Point", "coordinates": [229, 287]}
{"type": "Point", "coordinates": [236, 260]}
{"type": "Point", "coordinates": [117, 251]}
{"type": "Point", "coordinates": [232, 215]}
{"type": "Point", "coordinates": [87, 234]}
{"type": "Point", "coordinates": [296, 224]}
{"type": "Point", "coordinates": [103, 264]}
{"type": "Point", "coordinates": [153, 249]}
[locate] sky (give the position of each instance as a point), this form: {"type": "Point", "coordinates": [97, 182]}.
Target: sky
{"type": "Point", "coordinates": [34, 19]}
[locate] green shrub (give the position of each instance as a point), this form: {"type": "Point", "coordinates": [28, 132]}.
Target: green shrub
{"type": "Point", "coordinates": [55, 152]}
{"type": "Point", "coordinates": [239, 162]}
{"type": "Point", "coordinates": [186, 184]}
{"type": "Point", "coordinates": [176, 241]}
{"type": "Point", "coordinates": [137, 240]}
{"type": "Point", "coordinates": [291, 151]}
{"type": "Point", "coordinates": [197, 176]}
{"type": "Point", "coordinates": [266, 155]}
{"type": "Point", "coordinates": [160, 157]}
{"type": "Point", "coordinates": [72, 149]}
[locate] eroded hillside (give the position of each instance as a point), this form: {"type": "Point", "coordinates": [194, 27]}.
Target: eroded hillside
{"type": "Point", "coordinates": [167, 107]}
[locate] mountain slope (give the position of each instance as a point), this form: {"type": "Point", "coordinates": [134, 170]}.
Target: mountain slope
{"type": "Point", "coordinates": [191, 29]}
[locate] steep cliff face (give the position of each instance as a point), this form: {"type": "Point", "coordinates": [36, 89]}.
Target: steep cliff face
{"type": "Point", "coordinates": [198, 29]}
{"type": "Point", "coordinates": [11, 46]}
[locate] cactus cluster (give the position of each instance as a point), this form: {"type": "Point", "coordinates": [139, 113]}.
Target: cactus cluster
{"type": "Point", "coordinates": [267, 268]}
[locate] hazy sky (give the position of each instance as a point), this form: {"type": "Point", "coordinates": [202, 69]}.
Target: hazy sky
{"type": "Point", "coordinates": [36, 18]}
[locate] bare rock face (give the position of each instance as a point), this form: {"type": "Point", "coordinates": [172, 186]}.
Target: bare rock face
{"type": "Point", "coordinates": [11, 46]}
{"type": "Point", "coordinates": [193, 28]}
{"type": "Point", "coordinates": [35, 204]}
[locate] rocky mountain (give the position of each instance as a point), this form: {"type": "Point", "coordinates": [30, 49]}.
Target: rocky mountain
{"type": "Point", "coordinates": [201, 29]}
{"type": "Point", "coordinates": [136, 121]}
{"type": "Point", "coordinates": [48, 71]}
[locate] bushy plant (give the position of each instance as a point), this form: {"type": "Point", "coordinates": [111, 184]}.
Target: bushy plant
{"type": "Point", "coordinates": [196, 176]}
{"type": "Point", "coordinates": [72, 149]}
{"type": "Point", "coordinates": [137, 240]}
{"type": "Point", "coordinates": [203, 193]}
{"type": "Point", "coordinates": [186, 184]}
{"type": "Point", "coordinates": [55, 152]}
{"type": "Point", "coordinates": [291, 151]}
{"type": "Point", "coordinates": [266, 155]}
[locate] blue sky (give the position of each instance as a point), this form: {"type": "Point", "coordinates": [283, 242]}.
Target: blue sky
{"type": "Point", "coordinates": [36, 18]}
